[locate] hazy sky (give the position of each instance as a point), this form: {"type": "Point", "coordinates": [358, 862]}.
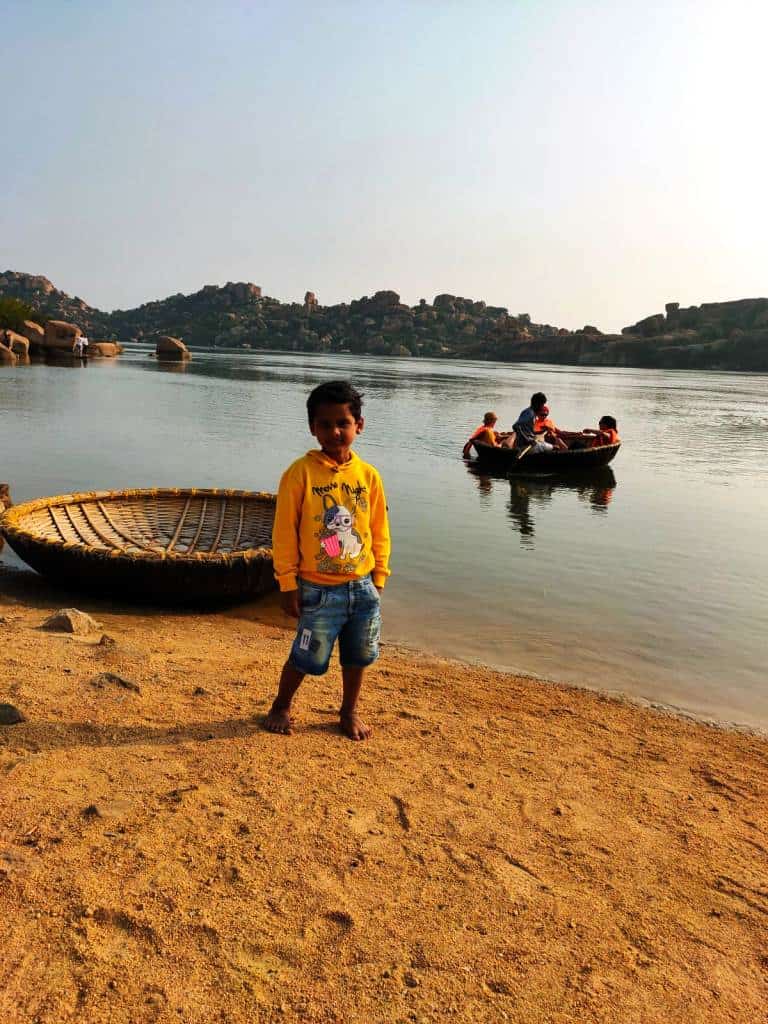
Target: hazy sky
{"type": "Point", "coordinates": [581, 162]}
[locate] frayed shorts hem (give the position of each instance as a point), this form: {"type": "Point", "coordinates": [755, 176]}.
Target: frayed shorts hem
{"type": "Point", "coordinates": [359, 663]}
{"type": "Point", "coordinates": [308, 670]}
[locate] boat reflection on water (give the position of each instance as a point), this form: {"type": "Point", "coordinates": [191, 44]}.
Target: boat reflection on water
{"type": "Point", "coordinates": [529, 496]}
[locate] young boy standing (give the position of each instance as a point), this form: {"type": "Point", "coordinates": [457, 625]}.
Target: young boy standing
{"type": "Point", "coordinates": [331, 549]}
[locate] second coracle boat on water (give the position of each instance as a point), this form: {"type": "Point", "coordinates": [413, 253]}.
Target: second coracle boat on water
{"type": "Point", "coordinates": [178, 545]}
{"type": "Point", "coordinates": [545, 463]}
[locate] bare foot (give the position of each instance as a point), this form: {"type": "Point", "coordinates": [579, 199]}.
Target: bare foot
{"type": "Point", "coordinates": [279, 720]}
{"type": "Point", "coordinates": [353, 726]}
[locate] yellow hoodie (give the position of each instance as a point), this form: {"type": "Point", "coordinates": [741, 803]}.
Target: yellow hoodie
{"type": "Point", "coordinates": [331, 523]}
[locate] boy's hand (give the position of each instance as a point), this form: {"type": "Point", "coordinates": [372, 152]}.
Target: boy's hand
{"type": "Point", "coordinates": [289, 602]}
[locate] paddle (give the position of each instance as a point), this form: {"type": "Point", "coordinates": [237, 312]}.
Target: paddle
{"type": "Point", "coordinates": [523, 452]}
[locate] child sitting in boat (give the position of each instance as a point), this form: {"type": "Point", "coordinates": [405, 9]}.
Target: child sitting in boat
{"type": "Point", "coordinates": [545, 430]}
{"type": "Point", "coordinates": [485, 433]}
{"type": "Point", "coordinates": [607, 433]}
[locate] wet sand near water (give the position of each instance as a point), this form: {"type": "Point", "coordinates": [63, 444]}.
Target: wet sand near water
{"type": "Point", "coordinates": [500, 850]}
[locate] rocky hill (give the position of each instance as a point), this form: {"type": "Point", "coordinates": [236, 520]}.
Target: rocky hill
{"type": "Point", "coordinates": [729, 335]}
{"type": "Point", "coordinates": [51, 304]}
{"type": "Point", "coordinates": [716, 335]}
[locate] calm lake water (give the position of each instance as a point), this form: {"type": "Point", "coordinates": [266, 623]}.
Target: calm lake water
{"type": "Point", "coordinates": [650, 578]}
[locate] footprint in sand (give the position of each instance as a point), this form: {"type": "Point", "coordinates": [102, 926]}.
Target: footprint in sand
{"type": "Point", "coordinates": [260, 971]}
{"type": "Point", "coordinates": [329, 929]}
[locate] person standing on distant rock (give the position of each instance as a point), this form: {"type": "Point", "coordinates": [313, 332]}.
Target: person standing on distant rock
{"type": "Point", "coordinates": [83, 346]}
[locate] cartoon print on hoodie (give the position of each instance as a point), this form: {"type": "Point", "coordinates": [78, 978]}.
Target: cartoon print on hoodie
{"type": "Point", "coordinates": [338, 538]}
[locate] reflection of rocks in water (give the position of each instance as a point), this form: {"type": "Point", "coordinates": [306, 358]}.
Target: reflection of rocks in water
{"type": "Point", "coordinates": [67, 359]}
{"type": "Point", "coordinates": [180, 367]}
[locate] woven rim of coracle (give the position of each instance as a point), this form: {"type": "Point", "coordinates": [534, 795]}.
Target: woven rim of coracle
{"type": "Point", "coordinates": [11, 525]}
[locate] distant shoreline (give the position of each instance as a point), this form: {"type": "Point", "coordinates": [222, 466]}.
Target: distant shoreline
{"type": "Point", "coordinates": [718, 336]}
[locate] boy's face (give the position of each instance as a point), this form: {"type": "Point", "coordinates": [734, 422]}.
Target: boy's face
{"type": "Point", "coordinates": [336, 428]}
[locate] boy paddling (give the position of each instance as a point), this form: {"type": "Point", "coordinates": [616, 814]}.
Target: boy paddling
{"type": "Point", "coordinates": [331, 554]}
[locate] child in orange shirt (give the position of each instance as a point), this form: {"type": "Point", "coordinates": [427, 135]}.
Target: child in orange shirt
{"type": "Point", "coordinates": [544, 426]}
{"type": "Point", "coordinates": [485, 434]}
{"type": "Point", "coordinates": [607, 432]}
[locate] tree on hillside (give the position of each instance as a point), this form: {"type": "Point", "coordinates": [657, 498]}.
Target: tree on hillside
{"type": "Point", "coordinates": [13, 313]}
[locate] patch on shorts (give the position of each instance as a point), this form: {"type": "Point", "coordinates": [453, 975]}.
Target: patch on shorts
{"type": "Point", "coordinates": [306, 636]}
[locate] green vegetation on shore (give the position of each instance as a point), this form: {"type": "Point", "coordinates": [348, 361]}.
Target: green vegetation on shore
{"type": "Point", "coordinates": [13, 313]}
{"type": "Point", "coordinates": [722, 336]}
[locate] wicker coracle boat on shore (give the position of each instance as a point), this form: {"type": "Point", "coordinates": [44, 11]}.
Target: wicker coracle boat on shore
{"type": "Point", "coordinates": [178, 545]}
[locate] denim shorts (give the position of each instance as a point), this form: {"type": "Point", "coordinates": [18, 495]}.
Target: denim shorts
{"type": "Point", "coordinates": [350, 612]}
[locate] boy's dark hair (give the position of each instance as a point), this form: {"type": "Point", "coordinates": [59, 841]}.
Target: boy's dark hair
{"type": "Point", "coordinates": [538, 400]}
{"type": "Point", "coordinates": [334, 392]}
{"type": "Point", "coordinates": [609, 422]}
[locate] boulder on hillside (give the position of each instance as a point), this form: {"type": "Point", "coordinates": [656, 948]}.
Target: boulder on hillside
{"type": "Point", "coordinates": [70, 620]}
{"type": "Point", "coordinates": [242, 291]}
{"type": "Point", "coordinates": [385, 299]}
{"type": "Point", "coordinates": [648, 327]}
{"type": "Point", "coordinates": [61, 336]}
{"type": "Point", "coordinates": [172, 349]}
{"type": "Point", "coordinates": [673, 313]}
{"type": "Point", "coordinates": [17, 343]}
{"type": "Point", "coordinates": [35, 335]}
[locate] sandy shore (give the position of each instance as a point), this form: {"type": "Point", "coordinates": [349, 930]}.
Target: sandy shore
{"type": "Point", "coordinates": [500, 850]}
